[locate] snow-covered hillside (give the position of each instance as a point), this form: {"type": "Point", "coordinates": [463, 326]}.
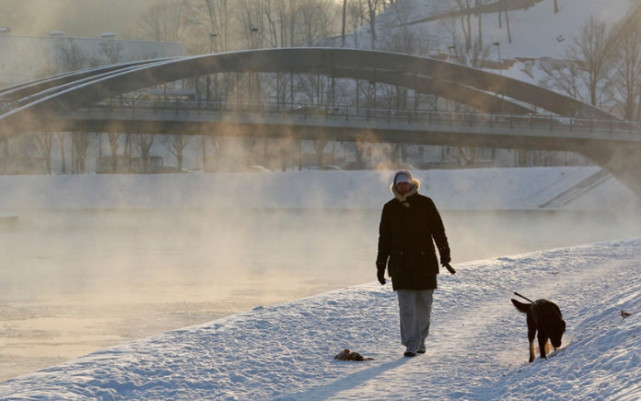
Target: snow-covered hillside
{"type": "Point", "coordinates": [534, 32]}
{"type": "Point", "coordinates": [526, 45]}
{"type": "Point", "coordinates": [477, 349]}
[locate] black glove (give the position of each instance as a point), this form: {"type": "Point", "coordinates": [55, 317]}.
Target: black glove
{"type": "Point", "coordinates": [445, 255]}
{"type": "Point", "coordinates": [380, 274]}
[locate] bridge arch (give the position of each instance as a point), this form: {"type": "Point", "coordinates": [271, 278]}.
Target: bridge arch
{"type": "Point", "coordinates": [486, 91]}
{"type": "Point", "coordinates": [32, 106]}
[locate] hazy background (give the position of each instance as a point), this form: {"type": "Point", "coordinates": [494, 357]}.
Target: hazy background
{"type": "Point", "coordinates": [83, 18]}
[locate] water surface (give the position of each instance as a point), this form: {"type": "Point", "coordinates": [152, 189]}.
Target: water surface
{"type": "Point", "coordinates": [72, 282]}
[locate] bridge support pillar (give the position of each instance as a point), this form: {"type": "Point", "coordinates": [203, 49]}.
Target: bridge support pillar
{"type": "Point", "coordinates": [622, 160]}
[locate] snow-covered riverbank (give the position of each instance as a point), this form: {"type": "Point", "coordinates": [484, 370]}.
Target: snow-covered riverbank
{"type": "Point", "coordinates": [473, 189]}
{"type": "Point", "coordinates": [477, 349]}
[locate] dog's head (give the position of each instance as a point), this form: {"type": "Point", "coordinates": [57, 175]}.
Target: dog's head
{"type": "Point", "coordinates": [548, 316]}
{"type": "Point", "coordinates": [557, 333]}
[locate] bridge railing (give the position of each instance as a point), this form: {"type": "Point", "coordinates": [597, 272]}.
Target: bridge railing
{"type": "Point", "coordinates": [378, 114]}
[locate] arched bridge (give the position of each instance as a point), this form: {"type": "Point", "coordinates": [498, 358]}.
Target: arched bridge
{"type": "Point", "coordinates": [58, 102]}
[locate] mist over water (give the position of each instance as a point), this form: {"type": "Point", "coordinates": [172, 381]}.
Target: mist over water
{"type": "Point", "coordinates": [75, 281]}
{"type": "Point", "coordinates": [72, 282]}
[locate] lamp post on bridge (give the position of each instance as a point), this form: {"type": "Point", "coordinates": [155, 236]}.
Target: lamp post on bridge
{"type": "Point", "coordinates": [498, 51]}
{"type": "Point", "coordinates": [253, 33]}
{"type": "Point", "coordinates": [253, 83]}
{"type": "Point", "coordinates": [498, 54]}
{"type": "Point", "coordinates": [212, 37]}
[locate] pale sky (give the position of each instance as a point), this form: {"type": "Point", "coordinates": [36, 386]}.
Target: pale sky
{"type": "Point", "coordinates": [82, 18]}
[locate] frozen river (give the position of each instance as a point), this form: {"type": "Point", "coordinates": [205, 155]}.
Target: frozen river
{"type": "Point", "coordinates": [72, 282]}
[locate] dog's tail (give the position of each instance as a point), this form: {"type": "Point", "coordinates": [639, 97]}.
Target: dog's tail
{"type": "Point", "coordinates": [520, 306]}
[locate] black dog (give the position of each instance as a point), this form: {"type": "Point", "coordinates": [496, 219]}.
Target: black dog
{"type": "Point", "coordinates": [545, 317]}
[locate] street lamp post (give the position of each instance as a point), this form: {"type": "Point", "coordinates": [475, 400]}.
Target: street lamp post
{"type": "Point", "coordinates": [253, 33]}
{"type": "Point", "coordinates": [498, 50]}
{"type": "Point", "coordinates": [498, 54]}
{"type": "Point", "coordinates": [252, 82]}
{"type": "Point", "coordinates": [212, 37]}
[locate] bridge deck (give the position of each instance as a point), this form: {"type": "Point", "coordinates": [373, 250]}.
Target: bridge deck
{"type": "Point", "coordinates": [388, 125]}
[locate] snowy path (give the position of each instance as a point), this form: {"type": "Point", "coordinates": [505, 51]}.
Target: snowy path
{"type": "Point", "coordinates": [477, 349]}
{"type": "Point", "coordinates": [485, 339]}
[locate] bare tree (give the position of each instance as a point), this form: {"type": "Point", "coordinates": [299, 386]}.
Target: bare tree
{"type": "Point", "coordinates": [215, 17]}
{"type": "Point", "coordinates": [479, 15]}
{"type": "Point", "coordinates": [112, 50]}
{"type": "Point", "coordinates": [287, 15]}
{"type": "Point", "coordinates": [44, 145]}
{"type": "Point", "coordinates": [627, 72]}
{"type": "Point", "coordinates": [403, 39]}
{"type": "Point", "coordinates": [220, 144]}
{"type": "Point", "coordinates": [128, 150]}
{"type": "Point", "coordinates": [465, 12]}
{"type": "Point", "coordinates": [61, 144]}
{"type": "Point", "coordinates": [319, 148]}
{"type": "Point", "coordinates": [5, 154]}
{"type": "Point", "coordinates": [372, 9]}
{"type": "Point", "coordinates": [317, 17]}
{"type": "Point", "coordinates": [585, 75]}
{"type": "Point", "coordinates": [176, 144]}
{"type": "Point", "coordinates": [343, 23]}
{"type": "Point", "coordinates": [271, 24]}
{"type": "Point", "coordinates": [165, 21]}
{"type": "Point", "coordinates": [143, 143]}
{"type": "Point", "coordinates": [356, 13]}
{"type": "Point", "coordinates": [80, 142]}
{"type": "Point", "coordinates": [114, 144]}
{"type": "Point", "coordinates": [68, 55]}
{"type": "Point", "coordinates": [251, 23]}
{"type": "Point", "coordinates": [594, 51]}
{"type": "Point", "coordinates": [562, 76]}
{"type": "Point", "coordinates": [507, 22]}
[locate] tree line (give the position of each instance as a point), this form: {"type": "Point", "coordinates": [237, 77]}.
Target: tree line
{"type": "Point", "coordinates": [224, 25]}
{"type": "Point", "coordinates": [602, 64]}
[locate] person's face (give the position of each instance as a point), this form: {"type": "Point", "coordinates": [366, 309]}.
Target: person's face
{"type": "Point", "coordinates": [403, 187]}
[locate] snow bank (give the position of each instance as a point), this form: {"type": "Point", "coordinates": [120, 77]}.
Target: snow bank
{"type": "Point", "coordinates": [473, 189]}
{"type": "Point", "coordinates": [477, 349]}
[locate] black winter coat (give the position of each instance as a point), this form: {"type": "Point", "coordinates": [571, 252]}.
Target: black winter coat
{"type": "Point", "coordinates": [409, 227]}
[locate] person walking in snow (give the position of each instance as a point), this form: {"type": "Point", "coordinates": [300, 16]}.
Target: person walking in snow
{"type": "Point", "coordinates": [410, 225]}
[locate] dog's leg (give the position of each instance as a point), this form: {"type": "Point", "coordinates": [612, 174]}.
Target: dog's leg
{"type": "Point", "coordinates": [531, 350]}
{"type": "Point", "coordinates": [543, 339]}
{"type": "Point", "coordinates": [531, 332]}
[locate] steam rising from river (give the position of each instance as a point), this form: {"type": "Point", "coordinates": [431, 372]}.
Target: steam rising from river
{"type": "Point", "coordinates": [96, 260]}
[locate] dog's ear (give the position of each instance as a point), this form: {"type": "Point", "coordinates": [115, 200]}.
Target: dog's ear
{"type": "Point", "coordinates": [563, 325]}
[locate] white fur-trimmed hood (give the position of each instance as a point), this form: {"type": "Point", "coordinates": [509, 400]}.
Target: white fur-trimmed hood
{"type": "Point", "coordinates": [415, 184]}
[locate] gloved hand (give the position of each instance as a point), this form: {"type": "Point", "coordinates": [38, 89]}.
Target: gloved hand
{"type": "Point", "coordinates": [445, 256]}
{"type": "Point", "coordinates": [380, 274]}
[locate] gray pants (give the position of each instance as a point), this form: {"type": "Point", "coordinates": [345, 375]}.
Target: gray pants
{"type": "Point", "coordinates": [415, 310]}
